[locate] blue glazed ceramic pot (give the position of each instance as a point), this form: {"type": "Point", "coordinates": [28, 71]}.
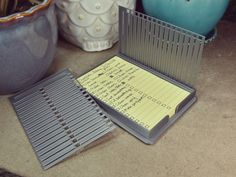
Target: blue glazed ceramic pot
{"type": "Point", "coordinates": [199, 16]}
{"type": "Point", "coordinates": [27, 46]}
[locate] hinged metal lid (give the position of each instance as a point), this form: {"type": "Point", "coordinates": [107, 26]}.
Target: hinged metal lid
{"type": "Point", "coordinates": [59, 118]}
{"type": "Point", "coordinates": [169, 49]}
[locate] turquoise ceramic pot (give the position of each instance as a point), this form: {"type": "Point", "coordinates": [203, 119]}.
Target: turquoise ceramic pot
{"type": "Point", "coordinates": [199, 16]}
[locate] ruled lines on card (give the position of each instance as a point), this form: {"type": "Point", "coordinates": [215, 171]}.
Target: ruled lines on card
{"type": "Point", "coordinates": [139, 95]}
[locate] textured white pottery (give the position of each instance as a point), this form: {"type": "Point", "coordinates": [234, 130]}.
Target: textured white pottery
{"type": "Point", "coordinates": [90, 24]}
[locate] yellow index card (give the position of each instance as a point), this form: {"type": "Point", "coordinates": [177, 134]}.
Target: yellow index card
{"type": "Point", "coordinates": [134, 92]}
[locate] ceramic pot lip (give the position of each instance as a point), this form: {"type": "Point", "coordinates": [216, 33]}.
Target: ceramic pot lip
{"type": "Point", "coordinates": [30, 12]}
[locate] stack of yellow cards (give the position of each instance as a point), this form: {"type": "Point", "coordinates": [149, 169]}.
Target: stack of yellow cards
{"type": "Point", "coordinates": [139, 95]}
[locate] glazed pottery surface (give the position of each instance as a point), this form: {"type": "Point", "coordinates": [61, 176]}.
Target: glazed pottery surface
{"type": "Point", "coordinates": [27, 46]}
{"type": "Point", "coordinates": [90, 24]}
{"type": "Point", "coordinates": [199, 16]}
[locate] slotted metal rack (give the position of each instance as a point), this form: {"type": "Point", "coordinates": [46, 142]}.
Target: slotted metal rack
{"type": "Point", "coordinates": [59, 118]}
{"type": "Point", "coordinates": [171, 50]}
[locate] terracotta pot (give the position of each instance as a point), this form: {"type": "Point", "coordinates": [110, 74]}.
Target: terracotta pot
{"type": "Point", "coordinates": [27, 46]}
{"type": "Point", "coordinates": [90, 24]}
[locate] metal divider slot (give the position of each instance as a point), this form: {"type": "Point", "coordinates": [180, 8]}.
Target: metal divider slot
{"type": "Point", "coordinates": [36, 112]}
{"type": "Point", "coordinates": [39, 124]}
{"type": "Point", "coordinates": [59, 156]}
{"type": "Point", "coordinates": [59, 84]}
{"type": "Point", "coordinates": [169, 50]}
{"type": "Point", "coordinates": [49, 136]}
{"type": "Point", "coordinates": [51, 141]}
{"type": "Point", "coordinates": [52, 146]}
{"type": "Point", "coordinates": [34, 109]}
{"type": "Point", "coordinates": [48, 82]}
{"type": "Point", "coordinates": [56, 121]}
{"type": "Point", "coordinates": [60, 144]}
{"type": "Point", "coordinates": [56, 128]}
{"type": "Point", "coordinates": [58, 97]}
{"type": "Point", "coordinates": [56, 93]}
{"type": "Point", "coordinates": [155, 47]}
{"type": "Point", "coordinates": [83, 128]}
{"type": "Point", "coordinates": [25, 99]}
{"type": "Point", "coordinates": [75, 115]}
{"type": "Point", "coordinates": [90, 130]}
{"type": "Point", "coordinates": [37, 92]}
{"type": "Point", "coordinates": [43, 128]}
{"type": "Point", "coordinates": [138, 38]}
{"type": "Point", "coordinates": [78, 107]}
{"type": "Point", "coordinates": [151, 44]}
{"type": "Point", "coordinates": [36, 116]}
{"type": "Point", "coordinates": [48, 110]}
{"type": "Point", "coordinates": [75, 108]}
{"type": "Point", "coordinates": [95, 135]}
{"type": "Point", "coordinates": [198, 60]}
{"type": "Point", "coordinates": [70, 102]}
{"type": "Point", "coordinates": [173, 53]}
{"type": "Point", "coordinates": [44, 133]}
{"type": "Point", "coordinates": [85, 143]}
{"type": "Point", "coordinates": [56, 150]}
{"type": "Point", "coordinates": [70, 95]}
{"type": "Point", "coordinates": [190, 59]}
{"type": "Point", "coordinates": [35, 120]}
{"type": "Point", "coordinates": [79, 118]}
{"type": "Point", "coordinates": [46, 137]}
{"type": "Point", "coordinates": [183, 58]}
{"type": "Point", "coordinates": [84, 122]}
{"type": "Point", "coordinates": [31, 104]}
{"type": "Point", "coordinates": [78, 124]}
{"type": "Point", "coordinates": [60, 90]}
{"type": "Point", "coordinates": [40, 121]}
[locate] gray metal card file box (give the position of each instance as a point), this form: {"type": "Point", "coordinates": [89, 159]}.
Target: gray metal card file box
{"type": "Point", "coordinates": [169, 52]}
{"type": "Point", "coordinates": [59, 118]}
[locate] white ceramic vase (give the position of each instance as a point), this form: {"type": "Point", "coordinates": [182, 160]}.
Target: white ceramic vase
{"type": "Point", "coordinates": [90, 24]}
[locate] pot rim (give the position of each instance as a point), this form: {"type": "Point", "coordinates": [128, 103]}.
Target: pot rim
{"type": "Point", "coordinates": [29, 12]}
